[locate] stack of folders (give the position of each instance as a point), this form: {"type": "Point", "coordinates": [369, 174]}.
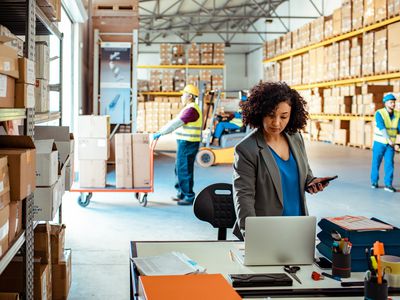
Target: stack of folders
{"type": "Point", "coordinates": [172, 263]}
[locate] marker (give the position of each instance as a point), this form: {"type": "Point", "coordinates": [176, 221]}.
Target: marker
{"type": "Point", "coordinates": [331, 276]}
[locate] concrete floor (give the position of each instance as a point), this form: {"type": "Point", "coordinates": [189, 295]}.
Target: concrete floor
{"type": "Point", "coordinates": [99, 234]}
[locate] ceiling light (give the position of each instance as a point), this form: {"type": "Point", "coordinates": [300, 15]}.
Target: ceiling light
{"type": "Point", "coordinates": [269, 21]}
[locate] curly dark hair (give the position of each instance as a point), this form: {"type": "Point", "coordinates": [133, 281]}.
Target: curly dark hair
{"type": "Point", "coordinates": [264, 99]}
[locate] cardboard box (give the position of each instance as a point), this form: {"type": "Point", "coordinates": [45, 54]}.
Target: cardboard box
{"type": "Point", "coordinates": [7, 91]}
{"type": "Point", "coordinates": [15, 220]}
{"type": "Point", "coordinates": [8, 61]}
{"type": "Point", "coordinates": [62, 137]}
{"type": "Point", "coordinates": [22, 165]}
{"type": "Point", "coordinates": [24, 95]}
{"type": "Point", "coordinates": [9, 296]}
{"type": "Point", "coordinates": [141, 160]}
{"type": "Point", "coordinates": [4, 226]}
{"type": "Point", "coordinates": [4, 178]}
{"type": "Point", "coordinates": [394, 47]}
{"type": "Point", "coordinates": [26, 69]}
{"type": "Point", "coordinates": [62, 276]}
{"type": "Point", "coordinates": [42, 96]}
{"type": "Point", "coordinates": [57, 242]}
{"type": "Point", "coordinates": [12, 279]}
{"type": "Point", "coordinates": [42, 243]}
{"type": "Point", "coordinates": [93, 148]}
{"type": "Point", "coordinates": [123, 160]}
{"type": "Point", "coordinates": [47, 201]}
{"type": "Point", "coordinates": [46, 162]}
{"type": "Point", "coordinates": [42, 65]}
{"type": "Point", "coordinates": [94, 126]}
{"type": "Point", "coordinates": [92, 173]}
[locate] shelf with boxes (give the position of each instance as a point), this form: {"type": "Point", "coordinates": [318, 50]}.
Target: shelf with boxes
{"type": "Point", "coordinates": [179, 66]}
{"type": "Point", "coordinates": [21, 22]}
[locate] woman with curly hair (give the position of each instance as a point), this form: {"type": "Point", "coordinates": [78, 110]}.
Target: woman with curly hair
{"type": "Point", "coordinates": [271, 171]}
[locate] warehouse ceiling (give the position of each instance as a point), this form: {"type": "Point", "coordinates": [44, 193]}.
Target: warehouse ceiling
{"type": "Point", "coordinates": [226, 21]}
{"type": "Point", "coordinates": [243, 25]}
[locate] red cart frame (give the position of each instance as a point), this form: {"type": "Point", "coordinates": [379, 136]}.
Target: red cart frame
{"type": "Point", "coordinates": [140, 193]}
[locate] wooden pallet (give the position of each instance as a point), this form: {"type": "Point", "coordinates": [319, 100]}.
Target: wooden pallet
{"type": "Point", "coordinates": [357, 146]}
{"type": "Point", "coordinates": [340, 144]}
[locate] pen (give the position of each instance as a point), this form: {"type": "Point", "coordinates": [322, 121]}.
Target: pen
{"type": "Point", "coordinates": [331, 276]}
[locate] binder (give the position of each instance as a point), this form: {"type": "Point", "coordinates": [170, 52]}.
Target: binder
{"type": "Point", "coordinates": [183, 287]}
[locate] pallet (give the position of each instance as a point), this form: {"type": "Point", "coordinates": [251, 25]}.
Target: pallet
{"type": "Point", "coordinates": [340, 144]}
{"type": "Point", "coordinates": [358, 146]}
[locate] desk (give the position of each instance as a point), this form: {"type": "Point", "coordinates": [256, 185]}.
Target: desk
{"type": "Point", "coordinates": [214, 256]}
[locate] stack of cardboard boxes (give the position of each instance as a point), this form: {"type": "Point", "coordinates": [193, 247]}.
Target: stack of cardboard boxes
{"type": "Point", "coordinates": [355, 57]}
{"type": "Point", "coordinates": [25, 86]}
{"type": "Point", "coordinates": [206, 54]}
{"type": "Point", "coordinates": [93, 150]}
{"type": "Point", "coordinates": [18, 152]}
{"type": "Point", "coordinates": [346, 16]}
{"type": "Point", "coordinates": [167, 82]}
{"type": "Point", "coordinates": [7, 38]}
{"type": "Point", "coordinates": [286, 69]}
{"type": "Point", "coordinates": [394, 47]}
{"type": "Point", "coordinates": [193, 54]}
{"type": "Point", "coordinates": [151, 116]}
{"type": "Point", "coordinates": [317, 30]}
{"type": "Point", "coordinates": [219, 54]}
{"type": "Point", "coordinates": [305, 75]}
{"type": "Point", "coordinates": [179, 80]}
{"type": "Point", "coordinates": [286, 44]}
{"type": "Point", "coordinates": [193, 79]}
{"type": "Point", "coordinates": [49, 191]}
{"type": "Point", "coordinates": [4, 205]}
{"type": "Point", "coordinates": [42, 101]}
{"type": "Point", "coordinates": [178, 55]}
{"type": "Point", "coordinates": [297, 70]}
{"type": "Point", "coordinates": [328, 27]}
{"type": "Point", "coordinates": [155, 81]}
{"type": "Point", "coordinates": [357, 14]}
{"type": "Point", "coordinates": [380, 52]}
{"type": "Point", "coordinates": [165, 54]}
{"type": "Point", "coordinates": [344, 60]}
{"type": "Point", "coordinates": [393, 8]}
{"type": "Point", "coordinates": [8, 71]}
{"type": "Point", "coordinates": [368, 54]}
{"type": "Point", "coordinates": [217, 82]}
{"type": "Point", "coordinates": [132, 157]}
{"type": "Point", "coordinates": [205, 75]}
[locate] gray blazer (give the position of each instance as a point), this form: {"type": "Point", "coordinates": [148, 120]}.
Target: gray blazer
{"type": "Point", "coordinates": [257, 189]}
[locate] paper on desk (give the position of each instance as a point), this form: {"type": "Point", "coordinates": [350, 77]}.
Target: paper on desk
{"type": "Point", "coordinates": [172, 263]}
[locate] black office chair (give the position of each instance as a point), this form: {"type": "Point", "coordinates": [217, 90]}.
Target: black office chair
{"type": "Point", "coordinates": [214, 204]}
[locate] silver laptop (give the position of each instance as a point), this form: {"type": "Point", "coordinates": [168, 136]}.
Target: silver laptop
{"type": "Point", "coordinates": [280, 240]}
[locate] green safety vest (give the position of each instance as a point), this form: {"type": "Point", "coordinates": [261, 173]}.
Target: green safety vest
{"type": "Point", "coordinates": [191, 131]}
{"type": "Point", "coordinates": [390, 124]}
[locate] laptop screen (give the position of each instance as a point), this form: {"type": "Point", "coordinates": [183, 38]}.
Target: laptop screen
{"type": "Point", "coordinates": [280, 240]}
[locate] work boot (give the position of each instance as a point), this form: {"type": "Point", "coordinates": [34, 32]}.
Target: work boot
{"type": "Point", "coordinates": [374, 185]}
{"type": "Point", "coordinates": [184, 202]}
{"type": "Point", "coordinates": [176, 198]}
{"type": "Point", "coordinates": [215, 142]}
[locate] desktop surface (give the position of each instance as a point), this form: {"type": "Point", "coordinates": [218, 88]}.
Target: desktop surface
{"type": "Point", "coordinates": [215, 257]}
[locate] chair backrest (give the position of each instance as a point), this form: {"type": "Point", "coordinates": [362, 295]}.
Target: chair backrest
{"type": "Point", "coordinates": [214, 204]}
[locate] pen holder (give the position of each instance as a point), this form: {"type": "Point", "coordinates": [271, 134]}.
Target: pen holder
{"type": "Point", "coordinates": [375, 291]}
{"type": "Point", "coordinates": [341, 265]}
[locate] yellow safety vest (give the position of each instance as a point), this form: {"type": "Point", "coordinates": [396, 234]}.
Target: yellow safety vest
{"type": "Point", "coordinates": [390, 124]}
{"type": "Point", "coordinates": [191, 131]}
{"type": "Point", "coordinates": [238, 122]}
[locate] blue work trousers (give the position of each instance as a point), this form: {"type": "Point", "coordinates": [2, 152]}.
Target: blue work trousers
{"type": "Point", "coordinates": [184, 169]}
{"type": "Point", "coordinates": [221, 126]}
{"type": "Point", "coordinates": [386, 152]}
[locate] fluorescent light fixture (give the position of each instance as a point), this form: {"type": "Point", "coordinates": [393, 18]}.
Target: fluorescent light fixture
{"type": "Point", "coordinates": [75, 10]}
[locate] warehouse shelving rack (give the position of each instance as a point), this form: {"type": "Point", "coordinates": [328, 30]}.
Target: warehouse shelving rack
{"type": "Point", "coordinates": [177, 67]}
{"type": "Point", "coordinates": [25, 18]}
{"type": "Point", "coordinates": [340, 82]}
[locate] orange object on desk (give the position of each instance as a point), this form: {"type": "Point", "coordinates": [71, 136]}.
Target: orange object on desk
{"type": "Point", "coordinates": [184, 287]}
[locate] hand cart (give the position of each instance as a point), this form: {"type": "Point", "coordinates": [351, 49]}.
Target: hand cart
{"type": "Point", "coordinates": [140, 194]}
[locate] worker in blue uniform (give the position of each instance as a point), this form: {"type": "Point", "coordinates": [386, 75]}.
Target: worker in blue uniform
{"type": "Point", "coordinates": [387, 126]}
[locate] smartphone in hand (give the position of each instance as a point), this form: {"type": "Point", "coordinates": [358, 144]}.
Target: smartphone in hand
{"type": "Point", "coordinates": [323, 182]}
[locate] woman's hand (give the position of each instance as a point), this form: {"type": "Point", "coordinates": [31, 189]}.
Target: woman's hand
{"type": "Point", "coordinates": [316, 186]}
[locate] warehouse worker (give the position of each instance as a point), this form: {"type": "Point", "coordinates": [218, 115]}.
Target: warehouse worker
{"type": "Point", "coordinates": [387, 126]}
{"type": "Point", "coordinates": [188, 131]}
{"type": "Point", "coordinates": [234, 122]}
